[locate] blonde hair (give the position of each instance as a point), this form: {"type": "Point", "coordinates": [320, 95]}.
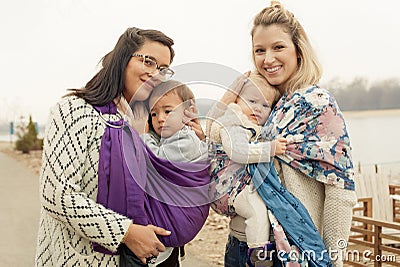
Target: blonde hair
{"type": "Point", "coordinates": [271, 93]}
{"type": "Point", "coordinates": [309, 70]}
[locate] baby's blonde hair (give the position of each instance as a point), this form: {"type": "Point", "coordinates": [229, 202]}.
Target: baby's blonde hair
{"type": "Point", "coordinates": [271, 94]}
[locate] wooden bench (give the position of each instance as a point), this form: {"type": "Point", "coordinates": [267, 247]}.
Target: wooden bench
{"type": "Point", "coordinates": [372, 237]}
{"type": "Point", "coordinates": [376, 237]}
{"type": "Point", "coordinates": [363, 208]}
{"type": "Point", "coordinates": [394, 191]}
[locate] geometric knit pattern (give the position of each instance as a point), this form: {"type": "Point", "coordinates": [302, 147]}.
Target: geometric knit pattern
{"type": "Point", "coordinates": [70, 218]}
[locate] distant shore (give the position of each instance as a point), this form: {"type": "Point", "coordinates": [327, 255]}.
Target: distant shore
{"type": "Point", "coordinates": [372, 113]}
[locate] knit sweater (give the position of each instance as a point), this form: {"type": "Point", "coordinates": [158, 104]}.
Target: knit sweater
{"type": "Point", "coordinates": [238, 137]}
{"type": "Point", "coordinates": [70, 218]}
{"type": "Point", "coordinates": [330, 207]}
{"type": "Point", "coordinates": [183, 146]}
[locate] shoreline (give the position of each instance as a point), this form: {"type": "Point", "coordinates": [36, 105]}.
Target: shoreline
{"type": "Point", "coordinates": [372, 113]}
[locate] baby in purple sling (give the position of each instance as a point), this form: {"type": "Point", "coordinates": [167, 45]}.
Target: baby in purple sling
{"type": "Point", "coordinates": [168, 137]}
{"type": "Point", "coordinates": [166, 180]}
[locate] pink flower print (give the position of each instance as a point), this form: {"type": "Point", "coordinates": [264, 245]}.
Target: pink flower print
{"type": "Point", "coordinates": [318, 98]}
{"type": "Point", "coordinates": [282, 243]}
{"type": "Point", "coordinates": [331, 124]}
{"type": "Point", "coordinates": [331, 179]}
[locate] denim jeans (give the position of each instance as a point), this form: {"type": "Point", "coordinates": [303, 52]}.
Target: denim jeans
{"type": "Point", "coordinates": [235, 253]}
{"type": "Point", "coordinates": [128, 259]}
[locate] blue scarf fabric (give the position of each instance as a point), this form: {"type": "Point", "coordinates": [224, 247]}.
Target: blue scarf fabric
{"type": "Point", "coordinates": [291, 214]}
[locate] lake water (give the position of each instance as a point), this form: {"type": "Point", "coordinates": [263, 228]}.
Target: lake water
{"type": "Point", "coordinates": [374, 135]}
{"type": "Point", "coordinates": [374, 139]}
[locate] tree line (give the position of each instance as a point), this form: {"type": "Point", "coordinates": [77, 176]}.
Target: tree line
{"type": "Point", "coordinates": [360, 94]}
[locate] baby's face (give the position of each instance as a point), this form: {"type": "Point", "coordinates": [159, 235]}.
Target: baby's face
{"type": "Point", "coordinates": [253, 104]}
{"type": "Point", "coordinates": [167, 114]}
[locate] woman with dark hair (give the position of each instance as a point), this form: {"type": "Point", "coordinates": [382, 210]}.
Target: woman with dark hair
{"type": "Point", "coordinates": [74, 221]}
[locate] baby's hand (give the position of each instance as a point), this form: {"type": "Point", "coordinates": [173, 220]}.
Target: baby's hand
{"type": "Point", "coordinates": [280, 146]}
{"type": "Point", "coordinates": [190, 118]}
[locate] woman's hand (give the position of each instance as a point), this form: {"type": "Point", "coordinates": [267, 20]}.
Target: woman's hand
{"type": "Point", "coordinates": [143, 242]}
{"type": "Point", "coordinates": [140, 117]}
{"type": "Point", "coordinates": [191, 119]}
{"type": "Point", "coordinates": [230, 96]}
{"type": "Point", "coordinates": [234, 89]}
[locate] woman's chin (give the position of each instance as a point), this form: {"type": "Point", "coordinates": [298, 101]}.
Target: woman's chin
{"type": "Point", "coordinates": [141, 96]}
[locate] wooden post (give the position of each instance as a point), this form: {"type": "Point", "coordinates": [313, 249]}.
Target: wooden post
{"type": "Point", "coordinates": [377, 244]}
{"type": "Point", "coordinates": [395, 190]}
{"type": "Point", "coordinates": [367, 203]}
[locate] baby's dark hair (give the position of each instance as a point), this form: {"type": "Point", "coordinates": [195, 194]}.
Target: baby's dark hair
{"type": "Point", "coordinates": [167, 88]}
{"type": "Point", "coordinates": [173, 87]}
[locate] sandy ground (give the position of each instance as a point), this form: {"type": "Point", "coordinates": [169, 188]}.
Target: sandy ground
{"type": "Point", "coordinates": [206, 249]}
{"type": "Point", "coordinates": [19, 213]}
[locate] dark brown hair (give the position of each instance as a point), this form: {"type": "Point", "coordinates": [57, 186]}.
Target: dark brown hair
{"type": "Point", "coordinates": [109, 82]}
{"type": "Point", "coordinates": [173, 87]}
{"type": "Point", "coordinates": [167, 88]}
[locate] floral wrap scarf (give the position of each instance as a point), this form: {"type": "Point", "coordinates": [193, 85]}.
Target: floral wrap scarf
{"type": "Point", "coordinates": [318, 142]}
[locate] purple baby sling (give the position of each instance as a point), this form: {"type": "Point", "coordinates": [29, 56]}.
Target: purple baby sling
{"type": "Point", "coordinates": [150, 190]}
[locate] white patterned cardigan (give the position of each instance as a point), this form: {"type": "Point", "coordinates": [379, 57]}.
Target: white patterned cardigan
{"type": "Point", "coordinates": [70, 218]}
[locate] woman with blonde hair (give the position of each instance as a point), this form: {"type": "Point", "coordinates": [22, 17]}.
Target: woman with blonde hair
{"type": "Point", "coordinates": [317, 167]}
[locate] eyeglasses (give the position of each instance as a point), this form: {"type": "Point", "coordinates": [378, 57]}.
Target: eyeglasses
{"type": "Point", "coordinates": [150, 66]}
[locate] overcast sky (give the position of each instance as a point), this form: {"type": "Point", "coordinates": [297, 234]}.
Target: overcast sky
{"type": "Point", "coordinates": [48, 46]}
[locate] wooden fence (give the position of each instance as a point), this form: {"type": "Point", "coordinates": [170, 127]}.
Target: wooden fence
{"type": "Point", "coordinates": [375, 186]}
{"type": "Point", "coordinates": [394, 191]}
{"type": "Point", "coordinates": [372, 242]}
